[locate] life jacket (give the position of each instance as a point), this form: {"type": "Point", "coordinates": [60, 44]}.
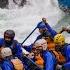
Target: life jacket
{"type": "Point", "coordinates": [18, 65]}
{"type": "Point", "coordinates": [60, 58]}
{"type": "Point", "coordinates": [39, 60]}
{"type": "Point", "coordinates": [62, 54]}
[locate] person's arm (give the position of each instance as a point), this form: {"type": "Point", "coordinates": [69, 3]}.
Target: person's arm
{"type": "Point", "coordinates": [49, 61]}
{"type": "Point", "coordinates": [18, 51]}
{"type": "Point", "coordinates": [60, 31]}
{"type": "Point", "coordinates": [53, 32]}
{"type": "Point", "coordinates": [50, 29]}
{"type": "Point", "coordinates": [68, 30]}
{"type": "Point", "coordinates": [28, 48]}
{"type": "Point", "coordinates": [65, 29]}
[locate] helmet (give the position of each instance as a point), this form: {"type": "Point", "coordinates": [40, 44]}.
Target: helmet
{"type": "Point", "coordinates": [10, 33]}
{"type": "Point", "coordinates": [41, 25]}
{"type": "Point", "coordinates": [59, 39]}
{"type": "Point", "coordinates": [6, 52]}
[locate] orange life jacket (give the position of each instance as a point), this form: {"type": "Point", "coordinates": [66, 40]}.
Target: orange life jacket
{"type": "Point", "coordinates": [18, 65]}
{"type": "Point", "coordinates": [60, 58]}
{"type": "Point", "coordinates": [39, 60]}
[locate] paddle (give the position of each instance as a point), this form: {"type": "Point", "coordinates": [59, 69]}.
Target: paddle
{"type": "Point", "coordinates": [29, 35]}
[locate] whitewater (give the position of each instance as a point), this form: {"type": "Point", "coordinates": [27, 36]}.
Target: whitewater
{"type": "Point", "coordinates": [24, 19]}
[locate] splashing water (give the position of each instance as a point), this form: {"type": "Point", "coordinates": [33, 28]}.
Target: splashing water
{"type": "Point", "coordinates": [24, 20]}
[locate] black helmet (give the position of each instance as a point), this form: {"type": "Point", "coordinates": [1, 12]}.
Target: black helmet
{"type": "Point", "coordinates": [10, 33]}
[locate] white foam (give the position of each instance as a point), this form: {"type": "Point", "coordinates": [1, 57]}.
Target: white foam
{"type": "Point", "coordinates": [24, 20]}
